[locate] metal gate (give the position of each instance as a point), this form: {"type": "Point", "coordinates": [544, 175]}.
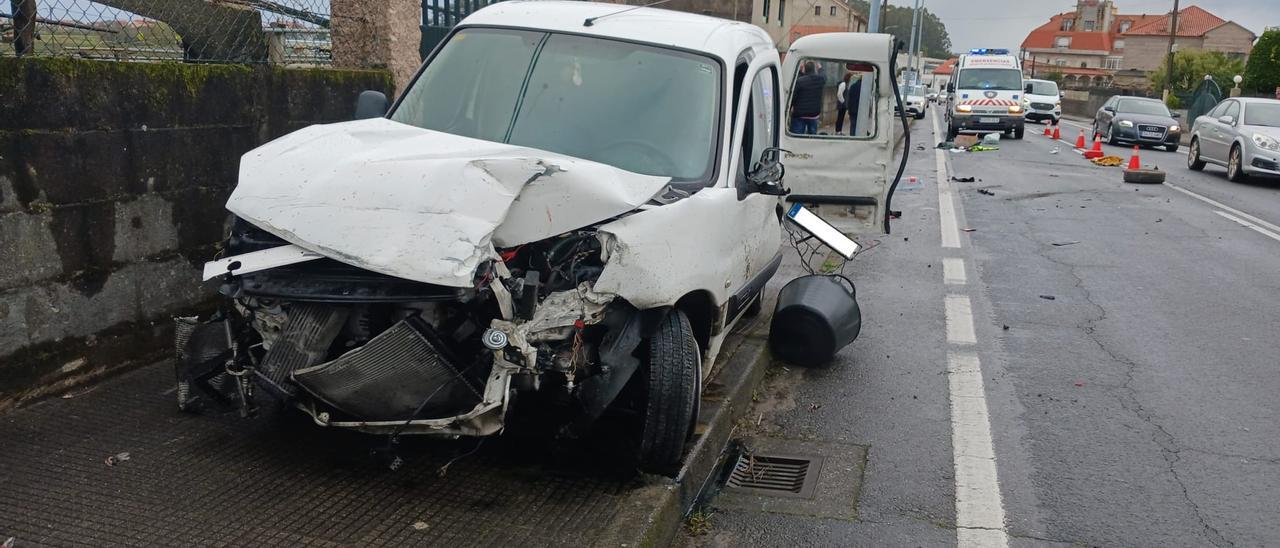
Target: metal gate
{"type": "Point", "coordinates": [440, 16]}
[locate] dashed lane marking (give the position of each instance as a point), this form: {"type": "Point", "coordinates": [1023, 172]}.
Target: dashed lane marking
{"type": "Point", "coordinates": [1250, 226]}
{"type": "Point", "coordinates": [1224, 207]}
{"type": "Point", "coordinates": [953, 271]}
{"type": "Point", "coordinates": [979, 508]}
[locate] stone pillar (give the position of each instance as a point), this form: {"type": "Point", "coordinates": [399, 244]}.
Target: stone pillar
{"type": "Point", "coordinates": [378, 34]}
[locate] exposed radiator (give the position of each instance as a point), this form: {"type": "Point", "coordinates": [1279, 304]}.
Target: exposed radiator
{"type": "Point", "coordinates": [304, 342]}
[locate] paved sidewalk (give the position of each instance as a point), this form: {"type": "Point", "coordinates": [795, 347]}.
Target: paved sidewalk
{"type": "Point", "coordinates": [278, 480]}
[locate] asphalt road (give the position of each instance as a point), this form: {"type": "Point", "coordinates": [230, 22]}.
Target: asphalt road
{"type": "Point", "coordinates": [1097, 365]}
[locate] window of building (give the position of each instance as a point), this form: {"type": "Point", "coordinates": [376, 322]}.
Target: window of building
{"type": "Point", "coordinates": [1112, 63]}
{"type": "Point", "coordinates": [782, 11]}
{"type": "Point", "coordinates": [1119, 44]}
{"type": "Point", "coordinates": [1060, 62]}
{"type": "Point", "coordinates": [1088, 26]}
{"type": "Point", "coordinates": [1124, 27]}
{"type": "Point", "coordinates": [1068, 24]}
{"type": "Point", "coordinates": [817, 11]}
{"type": "Point", "coordinates": [1063, 42]}
{"type": "Point", "coordinates": [1084, 65]}
{"type": "Point", "coordinates": [766, 11]}
{"type": "Point", "coordinates": [833, 11]}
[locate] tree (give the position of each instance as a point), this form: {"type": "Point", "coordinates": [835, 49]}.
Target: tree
{"type": "Point", "coordinates": [1190, 67]}
{"type": "Point", "coordinates": [1263, 71]}
{"type": "Point", "coordinates": [1055, 77]}
{"type": "Point", "coordinates": [935, 42]}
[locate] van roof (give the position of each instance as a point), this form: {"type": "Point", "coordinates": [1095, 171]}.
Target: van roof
{"type": "Point", "coordinates": [720, 37]}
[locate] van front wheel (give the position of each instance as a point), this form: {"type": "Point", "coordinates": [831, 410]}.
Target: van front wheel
{"type": "Point", "coordinates": [672, 374]}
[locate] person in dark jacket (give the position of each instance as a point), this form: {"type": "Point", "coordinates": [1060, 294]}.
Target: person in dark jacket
{"type": "Point", "coordinates": [852, 96]}
{"type": "Point", "coordinates": [806, 100]}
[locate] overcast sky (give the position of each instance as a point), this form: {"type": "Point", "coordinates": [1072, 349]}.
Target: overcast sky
{"type": "Point", "coordinates": [1004, 23]}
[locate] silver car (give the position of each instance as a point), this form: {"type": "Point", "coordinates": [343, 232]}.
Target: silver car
{"type": "Point", "coordinates": [1242, 134]}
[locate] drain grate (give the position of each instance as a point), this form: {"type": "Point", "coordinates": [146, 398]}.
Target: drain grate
{"type": "Point", "coordinates": [776, 475]}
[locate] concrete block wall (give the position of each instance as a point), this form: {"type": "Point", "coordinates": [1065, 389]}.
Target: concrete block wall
{"type": "Point", "coordinates": [113, 178]}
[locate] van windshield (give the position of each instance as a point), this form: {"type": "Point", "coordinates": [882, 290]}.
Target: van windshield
{"type": "Point", "coordinates": [999, 79]}
{"type": "Point", "coordinates": [1042, 88]}
{"type": "Point", "coordinates": [640, 108]}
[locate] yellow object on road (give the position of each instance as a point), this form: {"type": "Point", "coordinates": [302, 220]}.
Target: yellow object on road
{"type": "Point", "coordinates": [1108, 161]}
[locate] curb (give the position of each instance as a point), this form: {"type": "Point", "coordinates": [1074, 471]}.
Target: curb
{"type": "Point", "coordinates": [651, 515]}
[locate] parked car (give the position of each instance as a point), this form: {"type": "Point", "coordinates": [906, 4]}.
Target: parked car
{"type": "Point", "coordinates": [913, 99]}
{"type": "Point", "coordinates": [1242, 134]}
{"type": "Point", "coordinates": [1042, 101]}
{"type": "Point", "coordinates": [1138, 120]}
{"type": "Point", "coordinates": [566, 212]}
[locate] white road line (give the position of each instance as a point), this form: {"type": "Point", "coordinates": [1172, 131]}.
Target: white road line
{"type": "Point", "coordinates": [946, 204]}
{"type": "Point", "coordinates": [1250, 226]}
{"type": "Point", "coordinates": [1220, 205]}
{"type": "Point", "coordinates": [979, 509]}
{"type": "Point", "coordinates": [960, 320]}
{"type": "Point", "coordinates": [953, 271]}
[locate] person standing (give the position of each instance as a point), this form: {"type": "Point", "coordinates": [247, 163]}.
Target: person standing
{"type": "Point", "coordinates": [806, 100]}
{"type": "Point", "coordinates": [841, 108]}
{"type": "Point", "coordinates": [852, 97]}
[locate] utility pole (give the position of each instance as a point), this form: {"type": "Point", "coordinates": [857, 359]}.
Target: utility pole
{"type": "Point", "coordinates": [1173, 34]}
{"type": "Point", "coordinates": [920, 41]}
{"type": "Point", "coordinates": [873, 19]}
{"type": "Point", "coordinates": [911, 51]}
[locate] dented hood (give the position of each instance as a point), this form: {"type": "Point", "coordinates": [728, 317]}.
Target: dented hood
{"type": "Point", "coordinates": [420, 204]}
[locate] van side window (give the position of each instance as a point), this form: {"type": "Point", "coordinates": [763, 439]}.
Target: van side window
{"type": "Point", "coordinates": [833, 98]}
{"type": "Point", "coordinates": [762, 113]}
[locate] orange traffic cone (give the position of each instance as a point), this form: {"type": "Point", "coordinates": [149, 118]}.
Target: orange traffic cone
{"type": "Point", "coordinates": [1057, 133]}
{"type": "Point", "coordinates": [1080, 141]}
{"type": "Point", "coordinates": [1048, 131]}
{"type": "Point", "coordinates": [1096, 151]}
{"type": "Point", "coordinates": [1134, 162]}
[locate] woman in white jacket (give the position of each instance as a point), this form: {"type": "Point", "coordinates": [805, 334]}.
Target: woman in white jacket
{"type": "Point", "coordinates": [840, 106]}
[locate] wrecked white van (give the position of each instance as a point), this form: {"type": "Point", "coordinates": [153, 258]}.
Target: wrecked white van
{"type": "Point", "coordinates": [567, 210]}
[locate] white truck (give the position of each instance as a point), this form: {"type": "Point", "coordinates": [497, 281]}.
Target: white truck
{"type": "Point", "coordinates": [564, 214]}
{"type": "Point", "coordinates": [986, 94]}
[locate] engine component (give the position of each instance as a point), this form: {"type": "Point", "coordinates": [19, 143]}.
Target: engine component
{"type": "Point", "coordinates": [200, 352]}
{"type": "Point", "coordinates": [391, 376]}
{"type": "Point", "coordinates": [494, 339]}
{"type": "Point", "coordinates": [304, 342]}
{"type": "Point", "coordinates": [815, 317]}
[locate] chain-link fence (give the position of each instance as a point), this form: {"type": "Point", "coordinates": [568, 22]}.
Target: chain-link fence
{"type": "Point", "coordinates": [287, 32]}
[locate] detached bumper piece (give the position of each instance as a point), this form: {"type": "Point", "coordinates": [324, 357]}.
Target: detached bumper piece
{"type": "Point", "coordinates": [391, 377]}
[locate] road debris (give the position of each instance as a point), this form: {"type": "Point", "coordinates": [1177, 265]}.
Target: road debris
{"type": "Point", "coordinates": [116, 459]}
{"type": "Point", "coordinates": [991, 139]}
{"type": "Point", "coordinates": [1048, 297]}
{"type": "Point", "coordinates": [964, 179]}
{"type": "Point", "coordinates": [983, 148]}
{"type": "Point", "coordinates": [1108, 161]}
{"type": "Point", "coordinates": [1061, 244]}
{"type": "Point", "coordinates": [969, 229]}
{"type": "Point", "coordinates": [985, 191]}
{"type": "Point", "coordinates": [1054, 151]}
{"type": "Point", "coordinates": [420, 525]}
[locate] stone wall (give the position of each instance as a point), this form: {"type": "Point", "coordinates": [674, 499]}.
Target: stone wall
{"type": "Point", "coordinates": [383, 35]}
{"type": "Point", "coordinates": [112, 183]}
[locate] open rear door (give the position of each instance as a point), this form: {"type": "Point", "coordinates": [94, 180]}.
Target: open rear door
{"type": "Point", "coordinates": [842, 162]}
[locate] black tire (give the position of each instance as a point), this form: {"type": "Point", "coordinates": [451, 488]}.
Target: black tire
{"type": "Point", "coordinates": [1235, 169]}
{"type": "Point", "coordinates": [672, 373]}
{"type": "Point", "coordinates": [952, 132]}
{"type": "Point", "coordinates": [1019, 131]}
{"type": "Point", "coordinates": [1194, 163]}
{"type": "Point", "coordinates": [1111, 135]}
{"type": "Point", "coordinates": [1144, 176]}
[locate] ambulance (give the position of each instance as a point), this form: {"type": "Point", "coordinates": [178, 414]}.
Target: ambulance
{"type": "Point", "coordinates": [986, 94]}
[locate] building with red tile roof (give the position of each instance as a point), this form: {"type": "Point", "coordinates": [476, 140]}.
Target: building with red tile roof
{"type": "Point", "coordinates": [1096, 46]}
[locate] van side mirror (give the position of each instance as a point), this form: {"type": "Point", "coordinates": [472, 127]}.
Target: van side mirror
{"type": "Point", "coordinates": [1109, 109]}
{"type": "Point", "coordinates": [371, 104]}
{"type": "Point", "coordinates": [766, 175]}
{"type": "Point", "coordinates": [1027, 89]}
{"type": "Point", "coordinates": [951, 88]}
{"type": "Point", "coordinates": [1176, 114]}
